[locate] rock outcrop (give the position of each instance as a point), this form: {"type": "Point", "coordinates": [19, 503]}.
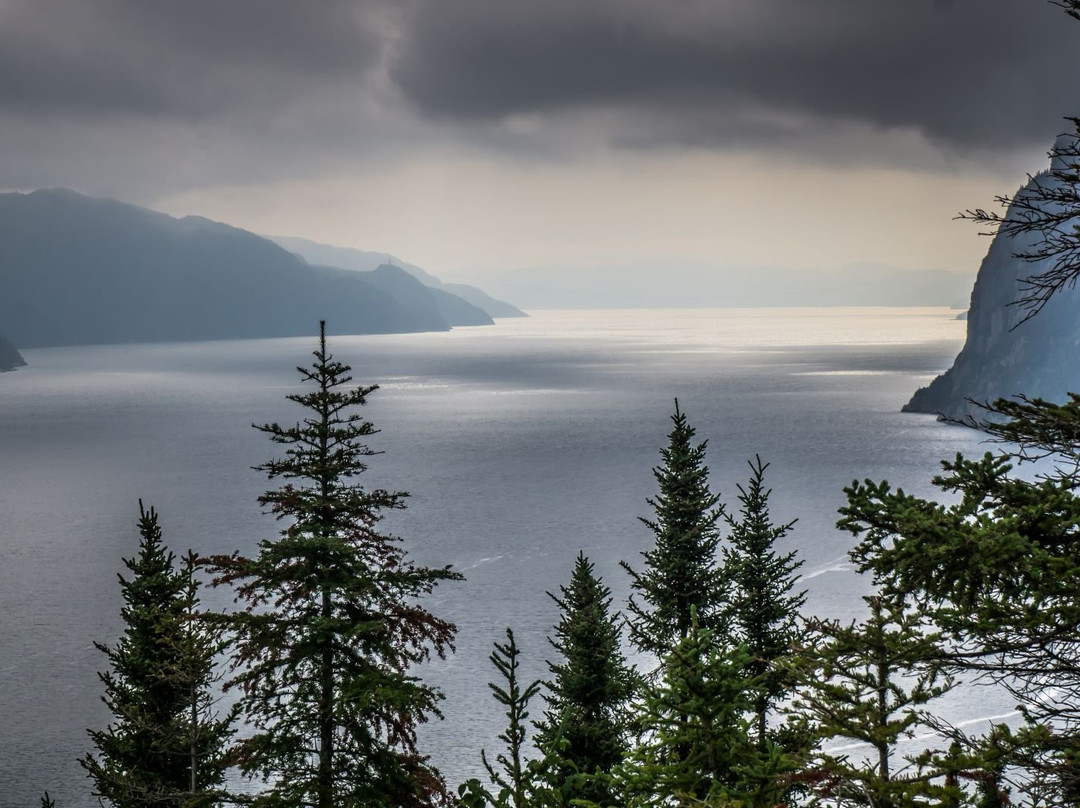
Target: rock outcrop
{"type": "Point", "coordinates": [1006, 355]}
{"type": "Point", "coordinates": [10, 358]}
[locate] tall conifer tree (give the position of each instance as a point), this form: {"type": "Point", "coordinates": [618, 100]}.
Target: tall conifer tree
{"type": "Point", "coordinates": [995, 570]}
{"type": "Point", "coordinates": [680, 574]}
{"type": "Point", "coordinates": [166, 746]}
{"type": "Point", "coordinates": [870, 683]}
{"type": "Point", "coordinates": [519, 782]}
{"type": "Point", "coordinates": [695, 749]}
{"type": "Point", "coordinates": [332, 626]}
{"type": "Point", "coordinates": [764, 605]}
{"type": "Point", "coordinates": [585, 725]}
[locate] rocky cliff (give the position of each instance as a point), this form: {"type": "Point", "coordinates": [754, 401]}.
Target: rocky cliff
{"type": "Point", "coordinates": [1004, 356]}
{"type": "Point", "coordinates": [9, 357]}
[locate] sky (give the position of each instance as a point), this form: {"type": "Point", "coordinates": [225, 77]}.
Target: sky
{"type": "Point", "coordinates": [460, 134]}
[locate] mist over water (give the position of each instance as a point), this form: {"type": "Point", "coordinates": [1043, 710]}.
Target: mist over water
{"type": "Point", "coordinates": [520, 444]}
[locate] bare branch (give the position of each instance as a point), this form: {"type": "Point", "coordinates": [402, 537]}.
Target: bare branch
{"type": "Point", "coordinates": [1048, 206]}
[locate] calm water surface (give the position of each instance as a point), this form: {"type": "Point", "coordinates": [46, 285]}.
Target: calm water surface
{"type": "Point", "coordinates": [520, 444]}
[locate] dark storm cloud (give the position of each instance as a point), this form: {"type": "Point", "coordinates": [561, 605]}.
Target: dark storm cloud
{"type": "Point", "coordinates": [992, 73]}
{"type": "Point", "coordinates": [134, 96]}
{"type": "Point", "coordinates": [184, 59]}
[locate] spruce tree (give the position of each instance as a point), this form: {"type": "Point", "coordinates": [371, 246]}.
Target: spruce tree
{"type": "Point", "coordinates": [680, 573]}
{"type": "Point", "coordinates": [518, 781]}
{"type": "Point", "coordinates": [995, 570]}
{"type": "Point", "coordinates": [694, 747]}
{"type": "Point", "coordinates": [207, 732]}
{"type": "Point", "coordinates": [764, 606]}
{"type": "Point", "coordinates": [869, 683]}
{"type": "Point", "coordinates": [332, 626]}
{"type": "Point", "coordinates": [585, 726]}
{"type": "Point", "coordinates": [990, 789]}
{"type": "Point", "coordinates": [166, 745]}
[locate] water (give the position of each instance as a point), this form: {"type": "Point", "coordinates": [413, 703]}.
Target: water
{"type": "Point", "coordinates": [520, 444]}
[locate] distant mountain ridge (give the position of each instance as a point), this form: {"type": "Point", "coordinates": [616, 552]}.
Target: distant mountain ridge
{"type": "Point", "coordinates": [1036, 358]}
{"type": "Point", "coordinates": [411, 291]}
{"type": "Point", "coordinates": [9, 357]}
{"type": "Point", "coordinates": [364, 260]}
{"type": "Point", "coordinates": [81, 270]}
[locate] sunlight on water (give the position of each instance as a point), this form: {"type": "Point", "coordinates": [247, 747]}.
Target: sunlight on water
{"type": "Point", "coordinates": [520, 444]}
{"type": "Point", "coordinates": [741, 329]}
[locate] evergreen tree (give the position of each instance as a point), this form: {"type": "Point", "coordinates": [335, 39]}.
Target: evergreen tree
{"type": "Point", "coordinates": [695, 746]}
{"type": "Point", "coordinates": [973, 768]}
{"type": "Point", "coordinates": [166, 746]}
{"type": "Point", "coordinates": [764, 606]}
{"type": "Point", "coordinates": [991, 790]}
{"type": "Point", "coordinates": [995, 571]}
{"type": "Point", "coordinates": [869, 683]}
{"type": "Point", "coordinates": [208, 734]}
{"type": "Point", "coordinates": [585, 725]}
{"type": "Point", "coordinates": [517, 780]}
{"type": "Point", "coordinates": [680, 572]}
{"type": "Point", "coordinates": [331, 626]}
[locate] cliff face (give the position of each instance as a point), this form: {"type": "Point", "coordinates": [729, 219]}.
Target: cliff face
{"type": "Point", "coordinates": [1039, 357]}
{"type": "Point", "coordinates": [9, 357]}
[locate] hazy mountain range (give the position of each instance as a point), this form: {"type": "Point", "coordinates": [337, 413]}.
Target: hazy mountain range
{"type": "Point", "coordinates": [677, 284]}
{"type": "Point", "coordinates": [80, 270]}
{"type": "Point", "coordinates": [365, 260]}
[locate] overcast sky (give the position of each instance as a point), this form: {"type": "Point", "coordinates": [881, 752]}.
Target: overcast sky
{"type": "Point", "coordinates": [464, 133]}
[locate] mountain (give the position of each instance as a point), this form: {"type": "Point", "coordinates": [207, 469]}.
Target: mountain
{"type": "Point", "coordinates": [364, 260]}
{"type": "Point", "coordinates": [436, 303]}
{"type": "Point", "coordinates": [9, 357]}
{"type": "Point", "coordinates": [80, 270]}
{"type": "Point", "coordinates": [679, 284]}
{"type": "Point", "coordinates": [1003, 356]}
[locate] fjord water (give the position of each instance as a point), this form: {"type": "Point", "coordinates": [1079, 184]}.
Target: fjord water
{"type": "Point", "coordinates": [521, 444]}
